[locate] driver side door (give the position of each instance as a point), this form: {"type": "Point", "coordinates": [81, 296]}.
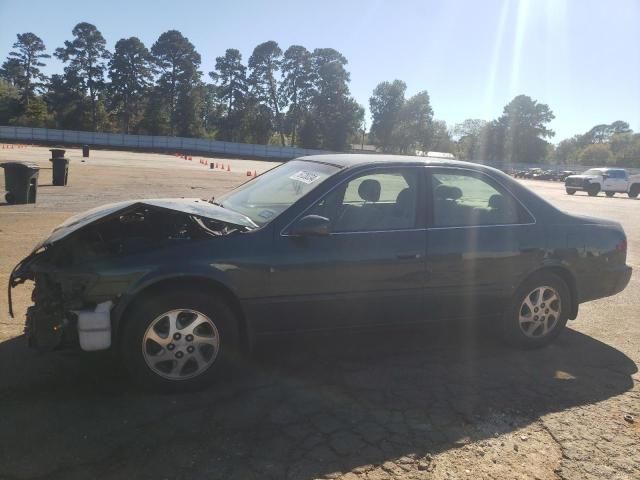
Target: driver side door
{"type": "Point", "coordinates": [370, 267]}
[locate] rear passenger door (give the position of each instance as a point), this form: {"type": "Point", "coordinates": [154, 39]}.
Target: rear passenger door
{"type": "Point", "coordinates": [481, 241]}
{"type": "Point", "coordinates": [615, 181]}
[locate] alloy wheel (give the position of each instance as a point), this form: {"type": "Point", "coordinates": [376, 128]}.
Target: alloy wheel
{"type": "Point", "coordinates": [540, 312]}
{"type": "Point", "coordinates": [180, 344]}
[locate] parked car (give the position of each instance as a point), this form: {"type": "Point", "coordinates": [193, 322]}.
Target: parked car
{"type": "Point", "coordinates": [542, 175]}
{"type": "Point", "coordinates": [561, 175]}
{"type": "Point", "coordinates": [608, 180]}
{"type": "Point", "coordinates": [530, 172]}
{"type": "Point", "coordinates": [328, 242]}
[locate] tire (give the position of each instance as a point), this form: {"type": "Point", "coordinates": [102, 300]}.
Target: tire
{"type": "Point", "coordinates": [634, 191]}
{"type": "Point", "coordinates": [593, 190]}
{"type": "Point", "coordinates": [609, 194]}
{"type": "Point", "coordinates": [9, 198]}
{"type": "Point", "coordinates": [515, 323]}
{"type": "Point", "coordinates": [571, 191]}
{"type": "Point", "coordinates": [200, 362]}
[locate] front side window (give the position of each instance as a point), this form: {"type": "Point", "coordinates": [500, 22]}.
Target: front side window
{"type": "Point", "coordinates": [465, 199]}
{"type": "Point", "coordinates": [385, 200]}
{"type": "Point", "coordinates": [270, 194]}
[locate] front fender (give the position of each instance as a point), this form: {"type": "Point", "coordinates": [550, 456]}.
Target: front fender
{"type": "Point", "coordinates": [194, 272]}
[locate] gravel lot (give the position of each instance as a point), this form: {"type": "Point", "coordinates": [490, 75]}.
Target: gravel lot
{"type": "Point", "coordinates": [442, 402]}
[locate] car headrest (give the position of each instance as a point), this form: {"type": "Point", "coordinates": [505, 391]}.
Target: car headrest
{"type": "Point", "coordinates": [447, 192]}
{"type": "Point", "coordinates": [403, 199]}
{"type": "Point", "coordinates": [496, 201]}
{"type": "Point", "coordinates": [369, 190]}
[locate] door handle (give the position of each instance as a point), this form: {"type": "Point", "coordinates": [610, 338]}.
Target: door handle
{"type": "Point", "coordinates": [408, 256]}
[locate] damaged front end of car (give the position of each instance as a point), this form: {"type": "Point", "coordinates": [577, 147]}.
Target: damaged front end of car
{"type": "Point", "coordinates": [87, 263]}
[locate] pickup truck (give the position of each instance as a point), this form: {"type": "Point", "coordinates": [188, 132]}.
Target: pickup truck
{"type": "Point", "coordinates": [607, 180]}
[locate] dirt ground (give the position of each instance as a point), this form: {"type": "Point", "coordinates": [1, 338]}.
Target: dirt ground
{"type": "Point", "coordinates": [437, 403]}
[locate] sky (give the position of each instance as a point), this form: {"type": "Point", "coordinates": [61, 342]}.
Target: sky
{"type": "Point", "coordinates": [581, 57]}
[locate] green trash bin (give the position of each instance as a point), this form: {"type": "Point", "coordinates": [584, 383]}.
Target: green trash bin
{"type": "Point", "coordinates": [60, 171]}
{"type": "Point", "coordinates": [20, 182]}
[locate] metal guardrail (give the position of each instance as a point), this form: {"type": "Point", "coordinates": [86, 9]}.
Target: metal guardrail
{"type": "Point", "coordinates": [151, 142]}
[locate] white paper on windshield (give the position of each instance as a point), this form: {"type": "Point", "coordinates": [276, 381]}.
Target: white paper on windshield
{"type": "Point", "coordinates": [305, 176]}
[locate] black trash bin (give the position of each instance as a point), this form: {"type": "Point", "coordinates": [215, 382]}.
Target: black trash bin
{"type": "Point", "coordinates": [57, 152]}
{"type": "Point", "coordinates": [20, 182]}
{"type": "Point", "coordinates": [85, 151]}
{"type": "Point", "coordinates": [60, 171]}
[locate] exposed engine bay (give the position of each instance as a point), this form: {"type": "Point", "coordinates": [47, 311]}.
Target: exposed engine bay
{"type": "Point", "coordinates": [64, 267]}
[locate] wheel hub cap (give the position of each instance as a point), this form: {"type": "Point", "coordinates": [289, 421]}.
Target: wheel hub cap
{"type": "Point", "coordinates": [539, 312]}
{"type": "Point", "coordinates": [180, 344]}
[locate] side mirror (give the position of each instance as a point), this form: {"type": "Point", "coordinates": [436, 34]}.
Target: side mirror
{"type": "Point", "coordinates": [310, 225]}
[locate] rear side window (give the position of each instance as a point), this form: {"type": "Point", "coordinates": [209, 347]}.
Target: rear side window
{"type": "Point", "coordinates": [465, 199]}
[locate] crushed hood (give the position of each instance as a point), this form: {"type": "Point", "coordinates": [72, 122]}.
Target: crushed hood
{"type": "Point", "coordinates": [190, 206]}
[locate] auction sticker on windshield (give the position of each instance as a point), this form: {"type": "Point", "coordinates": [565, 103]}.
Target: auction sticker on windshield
{"type": "Point", "coordinates": [305, 176]}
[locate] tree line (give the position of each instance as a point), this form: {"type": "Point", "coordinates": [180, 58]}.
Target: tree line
{"type": "Point", "coordinates": [295, 97]}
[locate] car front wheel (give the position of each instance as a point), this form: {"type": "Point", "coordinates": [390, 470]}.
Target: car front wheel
{"type": "Point", "coordinates": [634, 191]}
{"type": "Point", "coordinates": [570, 191]}
{"type": "Point", "coordinates": [593, 190]}
{"type": "Point", "coordinates": [610, 194]}
{"type": "Point", "coordinates": [178, 341]}
{"type": "Point", "coordinates": [538, 312]}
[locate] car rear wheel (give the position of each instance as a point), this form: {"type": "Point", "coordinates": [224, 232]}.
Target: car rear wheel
{"type": "Point", "coordinates": [610, 194]}
{"type": "Point", "coordinates": [593, 190]}
{"type": "Point", "coordinates": [538, 312]}
{"type": "Point", "coordinates": [179, 341]}
{"type": "Point", "coordinates": [570, 191]}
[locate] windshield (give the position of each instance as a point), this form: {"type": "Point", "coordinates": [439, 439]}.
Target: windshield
{"type": "Point", "coordinates": [593, 171]}
{"type": "Point", "coordinates": [266, 197]}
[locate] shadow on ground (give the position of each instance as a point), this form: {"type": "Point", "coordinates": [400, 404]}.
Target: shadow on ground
{"type": "Point", "coordinates": [301, 407]}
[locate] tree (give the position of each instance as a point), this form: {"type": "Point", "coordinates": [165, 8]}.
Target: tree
{"type": "Point", "coordinates": [441, 140]}
{"type": "Point", "coordinates": [230, 76]}
{"type": "Point", "coordinates": [625, 147]}
{"type": "Point", "coordinates": [596, 154]}
{"type": "Point", "coordinates": [264, 63]}
{"type": "Point", "coordinates": [9, 102]}
{"type": "Point", "coordinates": [70, 107]}
{"type": "Point", "coordinates": [603, 132]}
{"type": "Point", "coordinates": [296, 87]}
{"type": "Point", "coordinates": [336, 116]}
{"type": "Point", "coordinates": [29, 52]}
{"type": "Point", "coordinates": [468, 136]}
{"type": "Point", "coordinates": [414, 127]}
{"type": "Point", "coordinates": [86, 55]}
{"type": "Point", "coordinates": [385, 105]}
{"type": "Point", "coordinates": [524, 122]}
{"type": "Point", "coordinates": [178, 62]}
{"type": "Point", "coordinates": [12, 72]}
{"type": "Point", "coordinates": [131, 76]}
{"type": "Point", "coordinates": [567, 151]}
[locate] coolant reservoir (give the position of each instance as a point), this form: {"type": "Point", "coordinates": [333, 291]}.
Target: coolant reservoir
{"type": "Point", "coordinates": [94, 327]}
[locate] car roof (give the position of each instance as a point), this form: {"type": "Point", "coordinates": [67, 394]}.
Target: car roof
{"type": "Point", "coordinates": [347, 160]}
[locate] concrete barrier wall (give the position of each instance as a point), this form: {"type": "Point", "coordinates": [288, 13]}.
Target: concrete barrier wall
{"type": "Point", "coordinates": [149, 142]}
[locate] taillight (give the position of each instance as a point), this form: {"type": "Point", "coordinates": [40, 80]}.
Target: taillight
{"type": "Point", "coordinates": [622, 246]}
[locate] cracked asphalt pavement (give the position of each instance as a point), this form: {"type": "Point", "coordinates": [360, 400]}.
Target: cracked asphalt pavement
{"type": "Point", "coordinates": [442, 402]}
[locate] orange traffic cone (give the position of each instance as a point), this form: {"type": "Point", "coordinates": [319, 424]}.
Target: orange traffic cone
{"type": "Point", "coordinates": [254, 173]}
{"type": "Point", "coordinates": [248, 173]}
{"type": "Point", "coordinates": [228, 167]}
